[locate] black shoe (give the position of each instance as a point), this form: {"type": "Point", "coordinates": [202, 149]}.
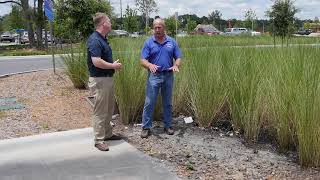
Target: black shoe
{"type": "Point", "coordinates": [169, 131]}
{"type": "Point", "coordinates": [113, 138]}
{"type": "Point", "coordinates": [145, 133]}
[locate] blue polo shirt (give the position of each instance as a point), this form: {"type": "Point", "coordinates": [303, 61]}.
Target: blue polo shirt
{"type": "Point", "coordinates": [98, 46]}
{"type": "Point", "coordinates": [161, 54]}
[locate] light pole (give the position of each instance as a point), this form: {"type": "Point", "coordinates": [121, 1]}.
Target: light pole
{"type": "Point", "coordinates": [121, 14]}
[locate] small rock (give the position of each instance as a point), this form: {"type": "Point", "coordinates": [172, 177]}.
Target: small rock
{"type": "Point", "coordinates": [115, 116]}
{"type": "Point", "coordinates": [269, 177]}
{"type": "Point", "coordinates": [238, 176]}
{"type": "Point", "coordinates": [188, 120]}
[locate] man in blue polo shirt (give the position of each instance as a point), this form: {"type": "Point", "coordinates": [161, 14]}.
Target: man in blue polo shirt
{"type": "Point", "coordinates": [161, 56]}
{"type": "Point", "coordinates": [101, 68]}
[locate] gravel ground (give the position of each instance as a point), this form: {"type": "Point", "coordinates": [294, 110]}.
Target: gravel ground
{"type": "Point", "coordinates": [52, 104]}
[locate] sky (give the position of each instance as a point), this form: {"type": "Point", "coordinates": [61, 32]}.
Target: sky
{"type": "Point", "coordinates": [309, 9]}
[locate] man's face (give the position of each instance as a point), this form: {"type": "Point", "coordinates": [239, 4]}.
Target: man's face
{"type": "Point", "coordinates": [107, 25]}
{"type": "Point", "coordinates": [158, 29]}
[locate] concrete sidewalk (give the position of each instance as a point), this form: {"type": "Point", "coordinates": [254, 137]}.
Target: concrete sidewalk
{"type": "Point", "coordinates": [70, 155]}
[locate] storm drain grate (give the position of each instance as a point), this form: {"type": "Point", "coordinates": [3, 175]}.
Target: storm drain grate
{"type": "Point", "coordinates": [10, 103]}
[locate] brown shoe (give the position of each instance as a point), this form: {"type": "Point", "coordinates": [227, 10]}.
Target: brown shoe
{"type": "Point", "coordinates": [145, 133]}
{"type": "Point", "coordinates": [169, 131]}
{"type": "Point", "coordinates": [113, 138]}
{"type": "Point", "coordinates": [102, 146]}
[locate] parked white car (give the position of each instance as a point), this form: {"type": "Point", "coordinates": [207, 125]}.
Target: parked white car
{"type": "Point", "coordinates": [236, 31]}
{"type": "Point", "coordinates": [255, 33]}
{"type": "Point", "coordinates": [135, 35]}
{"type": "Point", "coordinates": [182, 34]}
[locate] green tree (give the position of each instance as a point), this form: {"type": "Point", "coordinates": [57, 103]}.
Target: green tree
{"type": "Point", "coordinates": [146, 7]}
{"type": "Point", "coordinates": [1, 24]}
{"type": "Point", "coordinates": [215, 18]}
{"type": "Point", "coordinates": [6, 23]}
{"type": "Point", "coordinates": [171, 25]}
{"type": "Point", "coordinates": [307, 25]}
{"type": "Point", "coordinates": [76, 16]}
{"type": "Point", "coordinates": [204, 20]}
{"type": "Point", "coordinates": [282, 15]}
{"type": "Point", "coordinates": [28, 16]}
{"type": "Point", "coordinates": [16, 20]}
{"type": "Point", "coordinates": [250, 17]}
{"type": "Point", "coordinates": [131, 23]}
{"type": "Point", "coordinates": [191, 25]}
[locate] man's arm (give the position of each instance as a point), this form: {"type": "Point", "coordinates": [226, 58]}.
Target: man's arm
{"type": "Point", "coordinates": [100, 63]}
{"type": "Point", "coordinates": [177, 62]}
{"type": "Point", "coordinates": [175, 67]}
{"type": "Point", "coordinates": [152, 67]}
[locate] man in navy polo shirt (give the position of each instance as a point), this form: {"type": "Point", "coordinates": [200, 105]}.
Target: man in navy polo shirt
{"type": "Point", "coordinates": [161, 56]}
{"type": "Point", "coordinates": [101, 68]}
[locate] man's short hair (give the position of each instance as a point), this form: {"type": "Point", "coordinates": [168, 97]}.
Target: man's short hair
{"type": "Point", "coordinates": [160, 21]}
{"type": "Point", "coordinates": [98, 18]}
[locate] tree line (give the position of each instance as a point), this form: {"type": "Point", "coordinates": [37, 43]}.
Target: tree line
{"type": "Point", "coordinates": [73, 19]}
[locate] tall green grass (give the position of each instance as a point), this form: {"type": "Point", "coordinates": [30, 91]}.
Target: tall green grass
{"type": "Point", "coordinates": [130, 83]}
{"type": "Point", "coordinates": [226, 41]}
{"type": "Point", "coordinates": [264, 89]}
{"type": "Point", "coordinates": [206, 85]}
{"type": "Point", "coordinates": [76, 66]}
{"type": "Point", "coordinates": [180, 90]}
{"type": "Point", "coordinates": [246, 85]}
{"type": "Point", "coordinates": [296, 98]}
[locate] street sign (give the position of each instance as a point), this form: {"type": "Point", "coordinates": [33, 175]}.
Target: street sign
{"type": "Point", "coordinates": [48, 9]}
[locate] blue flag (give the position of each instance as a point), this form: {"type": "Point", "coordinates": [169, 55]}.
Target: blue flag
{"type": "Point", "coordinates": [48, 9]}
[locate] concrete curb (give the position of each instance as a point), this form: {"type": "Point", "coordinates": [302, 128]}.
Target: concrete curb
{"type": "Point", "coordinates": [24, 72]}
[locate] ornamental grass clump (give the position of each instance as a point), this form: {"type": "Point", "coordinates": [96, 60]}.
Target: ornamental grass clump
{"type": "Point", "coordinates": [296, 102]}
{"type": "Point", "coordinates": [246, 86]}
{"type": "Point", "coordinates": [76, 66]}
{"type": "Point", "coordinates": [206, 85]}
{"type": "Point", "coordinates": [129, 84]}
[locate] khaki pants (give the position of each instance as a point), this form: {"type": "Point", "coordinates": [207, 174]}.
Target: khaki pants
{"type": "Point", "coordinates": [102, 88]}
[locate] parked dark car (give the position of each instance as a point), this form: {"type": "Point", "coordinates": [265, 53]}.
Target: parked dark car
{"type": "Point", "coordinates": [6, 36]}
{"type": "Point", "coordinates": [305, 31]}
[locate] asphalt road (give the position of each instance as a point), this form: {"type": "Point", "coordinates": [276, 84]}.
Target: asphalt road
{"type": "Point", "coordinates": [17, 64]}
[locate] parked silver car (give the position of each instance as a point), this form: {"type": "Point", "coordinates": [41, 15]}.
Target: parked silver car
{"type": "Point", "coordinates": [135, 35]}
{"type": "Point", "coordinates": [236, 31]}
{"type": "Point", "coordinates": [119, 33]}
{"type": "Point", "coordinates": [7, 36]}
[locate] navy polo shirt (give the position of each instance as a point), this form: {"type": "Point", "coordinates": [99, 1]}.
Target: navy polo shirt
{"type": "Point", "coordinates": [98, 46]}
{"type": "Point", "coordinates": [161, 54]}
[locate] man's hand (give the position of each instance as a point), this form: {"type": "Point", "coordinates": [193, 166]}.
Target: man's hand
{"type": "Point", "coordinates": [116, 65]}
{"type": "Point", "coordinates": [174, 68]}
{"type": "Point", "coordinates": [153, 68]}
